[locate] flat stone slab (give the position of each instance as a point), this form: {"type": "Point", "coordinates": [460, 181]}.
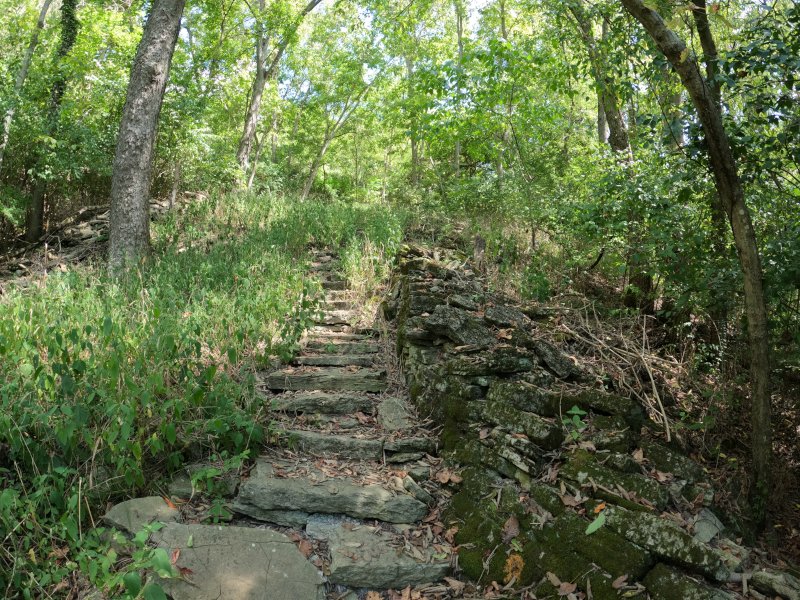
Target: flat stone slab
{"type": "Point", "coordinates": [330, 336]}
{"type": "Point", "coordinates": [367, 557]}
{"type": "Point", "coordinates": [339, 305]}
{"type": "Point", "coordinates": [334, 284]}
{"type": "Point", "coordinates": [326, 444]}
{"type": "Point", "coordinates": [335, 317]}
{"type": "Point", "coordinates": [330, 347]}
{"type": "Point", "coordinates": [334, 360]}
{"type": "Point", "coordinates": [665, 582]}
{"type": "Point", "coordinates": [393, 414]}
{"type": "Point", "coordinates": [330, 403]}
{"type": "Point", "coordinates": [664, 539]}
{"type": "Point", "coordinates": [133, 515]}
{"type": "Point", "coordinates": [328, 378]}
{"type": "Point", "coordinates": [265, 491]}
{"type": "Point", "coordinates": [237, 563]}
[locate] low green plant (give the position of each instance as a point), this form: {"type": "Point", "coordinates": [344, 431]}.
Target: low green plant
{"type": "Point", "coordinates": [574, 423]}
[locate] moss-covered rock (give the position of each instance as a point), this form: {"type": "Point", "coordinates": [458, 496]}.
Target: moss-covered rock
{"type": "Point", "coordinates": [604, 548]}
{"type": "Point", "coordinates": [583, 468]}
{"type": "Point", "coordinates": [665, 583]}
{"type": "Point", "coordinates": [540, 431]}
{"type": "Point", "coordinates": [546, 497]}
{"type": "Point", "coordinates": [669, 461]}
{"type": "Point", "coordinates": [503, 315]}
{"type": "Point", "coordinates": [459, 326]}
{"type": "Point", "coordinates": [611, 433]}
{"type": "Point", "coordinates": [501, 361]}
{"type": "Point", "coordinates": [666, 541]}
{"type": "Point", "coordinates": [542, 556]}
{"type": "Point", "coordinates": [523, 396]}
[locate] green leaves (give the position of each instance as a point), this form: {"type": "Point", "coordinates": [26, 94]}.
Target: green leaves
{"type": "Point", "coordinates": [598, 522]}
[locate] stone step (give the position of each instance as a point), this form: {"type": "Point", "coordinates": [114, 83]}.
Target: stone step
{"type": "Point", "coordinates": [328, 378]}
{"type": "Point", "coordinates": [365, 556]}
{"type": "Point", "coordinates": [329, 347]}
{"type": "Point", "coordinates": [334, 360]}
{"type": "Point", "coordinates": [393, 414]}
{"type": "Point", "coordinates": [322, 402]}
{"type": "Point", "coordinates": [334, 284]}
{"type": "Point", "coordinates": [335, 295]}
{"type": "Point", "coordinates": [356, 448]}
{"type": "Point", "coordinates": [326, 444]}
{"type": "Point", "coordinates": [276, 494]}
{"type": "Point", "coordinates": [338, 305]}
{"type": "Point", "coordinates": [334, 337]}
{"type": "Point", "coordinates": [244, 562]}
{"type": "Point", "coordinates": [331, 328]}
{"type": "Point", "coordinates": [335, 317]}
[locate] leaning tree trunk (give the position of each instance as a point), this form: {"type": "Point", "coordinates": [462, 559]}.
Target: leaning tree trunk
{"type": "Point", "coordinates": [731, 195]}
{"type": "Point", "coordinates": [256, 94]}
{"type": "Point", "coordinates": [133, 162]}
{"type": "Point", "coordinates": [69, 33]}
{"type": "Point", "coordinates": [264, 73]}
{"type": "Point", "coordinates": [312, 172]}
{"type": "Point", "coordinates": [22, 75]}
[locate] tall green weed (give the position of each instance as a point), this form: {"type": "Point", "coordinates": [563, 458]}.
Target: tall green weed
{"type": "Point", "coordinates": [106, 384]}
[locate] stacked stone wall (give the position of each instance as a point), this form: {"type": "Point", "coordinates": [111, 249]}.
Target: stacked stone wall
{"type": "Point", "coordinates": [534, 477]}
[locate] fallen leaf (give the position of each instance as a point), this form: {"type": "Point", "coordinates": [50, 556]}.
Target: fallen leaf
{"type": "Point", "coordinates": [185, 571]}
{"type": "Point", "coordinates": [619, 582]}
{"type": "Point", "coordinates": [510, 529]}
{"type": "Point", "coordinates": [176, 554]}
{"type": "Point", "coordinates": [568, 500]}
{"type": "Point", "coordinates": [306, 548]}
{"type": "Point", "coordinates": [373, 596]}
{"type": "Point", "coordinates": [483, 433]}
{"type": "Point", "coordinates": [455, 585]}
{"type": "Point", "coordinates": [638, 455]}
{"type": "Point", "coordinates": [170, 503]}
{"type": "Point", "coordinates": [599, 507]}
{"type": "Point", "coordinates": [553, 578]}
{"type": "Point", "coordinates": [662, 477]}
{"type": "Point", "coordinates": [566, 588]}
{"type": "Point", "coordinates": [450, 534]}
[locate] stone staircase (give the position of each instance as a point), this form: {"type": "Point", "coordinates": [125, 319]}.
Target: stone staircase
{"type": "Point", "coordinates": [353, 498]}
{"type": "Point", "coordinates": [344, 503]}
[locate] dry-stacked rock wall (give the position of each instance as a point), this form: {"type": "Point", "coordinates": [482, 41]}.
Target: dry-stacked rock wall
{"type": "Point", "coordinates": [546, 449]}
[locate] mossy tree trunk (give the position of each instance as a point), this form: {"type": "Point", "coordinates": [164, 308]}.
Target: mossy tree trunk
{"type": "Point", "coordinates": [705, 98]}
{"type": "Point", "coordinates": [133, 162]}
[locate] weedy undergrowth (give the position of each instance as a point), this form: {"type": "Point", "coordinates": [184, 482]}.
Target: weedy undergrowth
{"type": "Point", "coordinates": [107, 384]}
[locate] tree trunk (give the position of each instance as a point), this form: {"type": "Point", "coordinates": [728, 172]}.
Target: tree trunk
{"type": "Point", "coordinates": [602, 124]}
{"type": "Point", "coordinates": [254, 168]}
{"type": "Point", "coordinates": [413, 122]}
{"type": "Point", "coordinates": [256, 94]}
{"type": "Point", "coordinates": [264, 73]}
{"type": "Point", "coordinates": [274, 137]}
{"type": "Point", "coordinates": [22, 75]}
{"type": "Point", "coordinates": [674, 138]}
{"type": "Point", "coordinates": [607, 97]}
{"type": "Point", "coordinates": [315, 164]}
{"type": "Point", "coordinates": [731, 195]}
{"type": "Point", "coordinates": [460, 41]}
{"type": "Point", "coordinates": [69, 33]}
{"type": "Point", "coordinates": [176, 184]}
{"type": "Point", "coordinates": [133, 162]}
